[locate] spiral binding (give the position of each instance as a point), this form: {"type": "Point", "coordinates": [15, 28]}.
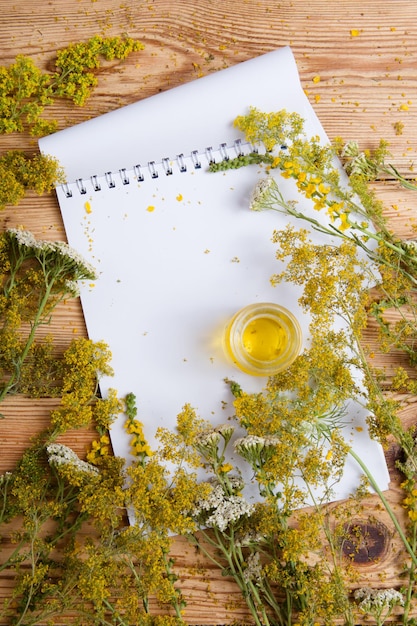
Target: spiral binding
{"type": "Point", "coordinates": [154, 169]}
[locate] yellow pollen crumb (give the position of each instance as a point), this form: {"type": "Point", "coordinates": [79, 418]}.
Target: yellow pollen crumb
{"type": "Point", "coordinates": [404, 107]}
{"type": "Point", "coordinates": [398, 127]}
{"type": "Point", "coordinates": [317, 97]}
{"type": "Point", "coordinates": [316, 79]}
{"type": "Point", "coordinates": [359, 429]}
{"type": "Point", "coordinates": [179, 197]}
{"type": "Point", "coordinates": [354, 32]}
{"type": "Point", "coordinates": [150, 208]}
{"type": "Point", "coordinates": [87, 207]}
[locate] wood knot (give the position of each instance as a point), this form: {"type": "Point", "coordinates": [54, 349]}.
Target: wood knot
{"type": "Point", "coordinates": [365, 541]}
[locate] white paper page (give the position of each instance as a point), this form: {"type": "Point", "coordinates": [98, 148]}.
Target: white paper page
{"type": "Point", "coordinates": [178, 255]}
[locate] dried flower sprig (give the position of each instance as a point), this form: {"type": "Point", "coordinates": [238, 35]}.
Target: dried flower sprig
{"type": "Point", "coordinates": [20, 173]}
{"type": "Point", "coordinates": [369, 165]}
{"type": "Point", "coordinates": [254, 543]}
{"type": "Point", "coordinates": [35, 276]}
{"type": "Point", "coordinates": [313, 168]}
{"type": "Point", "coordinates": [108, 577]}
{"type": "Point", "coordinates": [25, 90]}
{"type": "Point", "coordinates": [352, 218]}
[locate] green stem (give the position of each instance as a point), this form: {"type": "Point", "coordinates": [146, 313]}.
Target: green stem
{"type": "Point", "coordinates": [392, 171]}
{"type": "Point", "coordinates": [266, 593]}
{"type": "Point", "coordinates": [110, 608]}
{"type": "Point", "coordinates": [33, 562]}
{"type": "Point", "coordinates": [386, 504]}
{"type": "Point", "coordinates": [10, 559]}
{"type": "Point", "coordinates": [235, 570]}
{"type": "Point", "coordinates": [251, 593]}
{"type": "Point", "coordinates": [36, 322]}
{"type": "Point", "coordinates": [176, 603]}
{"type": "Point", "coordinates": [411, 580]}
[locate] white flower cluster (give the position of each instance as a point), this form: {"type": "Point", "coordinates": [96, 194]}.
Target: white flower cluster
{"type": "Point", "coordinates": [225, 430]}
{"type": "Point", "coordinates": [5, 478]}
{"type": "Point", "coordinates": [253, 447]}
{"type": "Point", "coordinates": [73, 288]}
{"type": "Point", "coordinates": [253, 570]}
{"type": "Point", "coordinates": [23, 238]}
{"type": "Point", "coordinates": [371, 600]}
{"type": "Point", "coordinates": [73, 255]}
{"type": "Point", "coordinates": [231, 509]}
{"type": "Point", "coordinates": [207, 439]}
{"type": "Point", "coordinates": [224, 509]}
{"type": "Point", "coordinates": [350, 149]}
{"type": "Point", "coordinates": [60, 249]}
{"type": "Point", "coordinates": [358, 162]}
{"type": "Point", "coordinates": [58, 454]}
{"type": "Point", "coordinates": [260, 197]}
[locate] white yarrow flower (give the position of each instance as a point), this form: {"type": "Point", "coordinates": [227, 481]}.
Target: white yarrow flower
{"type": "Point", "coordinates": [73, 288]}
{"type": "Point", "coordinates": [378, 600]}
{"type": "Point", "coordinates": [73, 255]}
{"type": "Point", "coordinates": [5, 478]}
{"type": "Point", "coordinates": [70, 259]}
{"type": "Point", "coordinates": [350, 149]}
{"type": "Point", "coordinates": [23, 237]}
{"type": "Point", "coordinates": [58, 454]}
{"type": "Point", "coordinates": [225, 430]}
{"type": "Point", "coordinates": [253, 571]}
{"type": "Point", "coordinates": [230, 510]}
{"type": "Point", "coordinates": [223, 508]}
{"type": "Point", "coordinates": [250, 442]}
{"type": "Point", "coordinates": [260, 197]}
{"type": "Point", "coordinates": [207, 439]}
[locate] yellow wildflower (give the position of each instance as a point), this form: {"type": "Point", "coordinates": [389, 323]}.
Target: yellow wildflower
{"type": "Point", "coordinates": [344, 221]}
{"type": "Point", "coordinates": [225, 468]}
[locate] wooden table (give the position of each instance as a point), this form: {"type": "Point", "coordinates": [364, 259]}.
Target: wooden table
{"type": "Point", "coordinates": [365, 53]}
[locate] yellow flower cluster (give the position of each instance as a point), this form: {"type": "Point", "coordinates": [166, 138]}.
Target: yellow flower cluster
{"type": "Point", "coordinates": [25, 90]}
{"type": "Point", "coordinates": [20, 173]}
{"type": "Point", "coordinates": [138, 443]}
{"type": "Point", "coordinates": [410, 502]}
{"type": "Point", "coordinates": [83, 363]}
{"type": "Point", "coordinates": [99, 448]}
{"type": "Point", "coordinates": [270, 129]}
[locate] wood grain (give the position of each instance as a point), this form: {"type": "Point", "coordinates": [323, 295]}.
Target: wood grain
{"type": "Point", "coordinates": [364, 53]}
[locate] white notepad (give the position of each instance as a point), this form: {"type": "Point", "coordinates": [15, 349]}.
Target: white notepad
{"type": "Point", "coordinates": [177, 249]}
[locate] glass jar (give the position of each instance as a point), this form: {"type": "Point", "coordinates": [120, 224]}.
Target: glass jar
{"type": "Point", "coordinates": [262, 339]}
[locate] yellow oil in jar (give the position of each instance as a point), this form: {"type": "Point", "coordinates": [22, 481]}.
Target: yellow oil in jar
{"type": "Point", "coordinates": [264, 339]}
